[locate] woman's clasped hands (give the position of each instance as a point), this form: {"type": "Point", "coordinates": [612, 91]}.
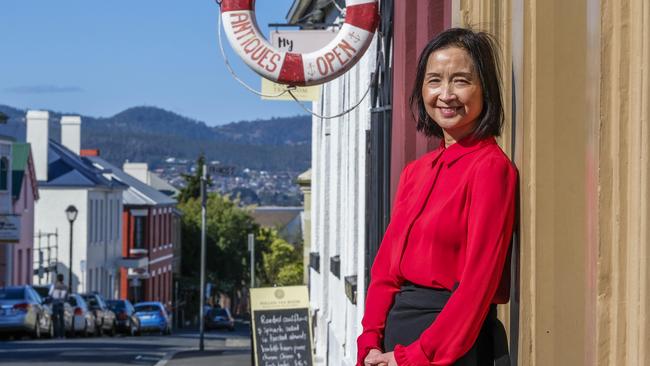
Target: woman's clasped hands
{"type": "Point", "coordinates": [377, 358]}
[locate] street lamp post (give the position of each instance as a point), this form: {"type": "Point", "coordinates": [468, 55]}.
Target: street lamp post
{"type": "Point", "coordinates": [71, 213]}
{"type": "Point", "coordinates": [204, 199]}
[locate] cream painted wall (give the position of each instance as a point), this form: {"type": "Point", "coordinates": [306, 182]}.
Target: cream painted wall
{"type": "Point", "coordinates": [582, 108]}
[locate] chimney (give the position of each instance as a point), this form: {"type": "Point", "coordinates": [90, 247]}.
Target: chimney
{"type": "Point", "coordinates": [71, 133]}
{"type": "Point", "coordinates": [89, 152]}
{"type": "Point", "coordinates": [140, 171]}
{"type": "Point", "coordinates": [38, 137]}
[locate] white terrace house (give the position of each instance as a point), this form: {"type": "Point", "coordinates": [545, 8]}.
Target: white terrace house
{"type": "Point", "coordinates": [338, 215]}
{"type": "Point", "coordinates": [65, 179]}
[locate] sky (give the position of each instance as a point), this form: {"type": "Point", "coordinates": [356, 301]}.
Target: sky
{"type": "Point", "coordinates": [98, 58]}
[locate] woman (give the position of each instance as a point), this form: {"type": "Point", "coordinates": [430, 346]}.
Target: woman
{"type": "Point", "coordinates": [438, 270]}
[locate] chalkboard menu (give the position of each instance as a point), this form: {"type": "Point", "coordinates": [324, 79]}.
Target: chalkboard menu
{"type": "Point", "coordinates": [281, 326]}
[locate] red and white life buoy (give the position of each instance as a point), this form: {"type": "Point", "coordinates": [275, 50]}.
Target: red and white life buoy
{"type": "Point", "coordinates": [352, 40]}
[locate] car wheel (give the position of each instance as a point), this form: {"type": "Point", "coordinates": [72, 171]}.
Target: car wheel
{"type": "Point", "coordinates": [132, 329]}
{"type": "Point", "coordinates": [36, 333]}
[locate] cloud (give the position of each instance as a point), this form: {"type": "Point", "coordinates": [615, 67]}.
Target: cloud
{"type": "Point", "coordinates": [43, 89]}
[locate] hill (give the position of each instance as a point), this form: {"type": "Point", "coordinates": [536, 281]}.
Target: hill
{"type": "Point", "coordinates": [152, 134]}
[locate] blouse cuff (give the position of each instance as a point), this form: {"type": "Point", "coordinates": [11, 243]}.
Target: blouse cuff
{"type": "Point", "coordinates": [365, 343]}
{"type": "Point", "coordinates": [411, 355]}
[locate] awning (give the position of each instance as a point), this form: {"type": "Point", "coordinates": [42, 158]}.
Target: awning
{"type": "Point", "coordinates": [131, 262]}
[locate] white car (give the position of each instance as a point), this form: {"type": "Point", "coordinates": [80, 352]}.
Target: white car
{"type": "Point", "coordinates": [22, 311]}
{"type": "Point", "coordinates": [83, 321]}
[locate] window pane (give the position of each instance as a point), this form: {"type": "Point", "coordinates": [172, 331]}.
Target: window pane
{"type": "Point", "coordinates": [4, 173]}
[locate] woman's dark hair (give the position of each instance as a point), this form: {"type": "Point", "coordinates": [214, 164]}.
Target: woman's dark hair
{"type": "Point", "coordinates": [483, 50]}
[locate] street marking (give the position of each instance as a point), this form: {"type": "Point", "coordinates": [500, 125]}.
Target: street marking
{"type": "Point", "coordinates": [168, 356]}
{"type": "Point", "coordinates": [147, 358]}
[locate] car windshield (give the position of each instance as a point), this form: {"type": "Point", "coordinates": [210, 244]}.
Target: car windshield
{"type": "Point", "coordinates": [146, 308]}
{"type": "Point", "coordinates": [43, 291]}
{"type": "Point", "coordinates": [91, 301]}
{"type": "Point", "coordinates": [72, 301]}
{"type": "Point", "coordinates": [220, 312]}
{"type": "Point", "coordinates": [12, 293]}
{"type": "Point", "coordinates": [115, 304]}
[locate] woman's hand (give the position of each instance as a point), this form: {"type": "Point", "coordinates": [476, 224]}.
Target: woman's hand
{"type": "Point", "coordinates": [375, 357]}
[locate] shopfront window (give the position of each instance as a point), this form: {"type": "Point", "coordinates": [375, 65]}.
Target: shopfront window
{"type": "Point", "coordinates": [138, 242]}
{"type": "Point", "coordinates": [4, 174]}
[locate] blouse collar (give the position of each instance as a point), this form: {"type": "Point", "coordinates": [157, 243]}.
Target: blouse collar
{"type": "Point", "coordinates": [461, 148]}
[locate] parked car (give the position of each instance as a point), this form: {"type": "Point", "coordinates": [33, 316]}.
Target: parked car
{"type": "Point", "coordinates": [153, 317]}
{"type": "Point", "coordinates": [83, 322]}
{"type": "Point", "coordinates": [104, 317]}
{"type": "Point", "coordinates": [219, 318]}
{"type": "Point", "coordinates": [22, 311]}
{"type": "Point", "coordinates": [127, 322]}
{"type": "Point", "coordinates": [44, 293]}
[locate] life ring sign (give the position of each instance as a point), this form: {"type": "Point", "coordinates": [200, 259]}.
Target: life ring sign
{"type": "Point", "coordinates": [337, 57]}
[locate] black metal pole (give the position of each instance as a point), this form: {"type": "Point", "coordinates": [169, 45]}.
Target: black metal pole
{"type": "Point", "coordinates": [204, 197]}
{"type": "Point", "coordinates": [70, 264]}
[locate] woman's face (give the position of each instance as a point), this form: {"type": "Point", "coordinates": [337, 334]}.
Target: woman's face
{"type": "Point", "coordinates": [452, 92]}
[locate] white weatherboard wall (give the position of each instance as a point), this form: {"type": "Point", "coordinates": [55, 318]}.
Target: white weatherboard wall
{"type": "Point", "coordinates": [96, 235]}
{"type": "Point", "coordinates": [97, 241]}
{"type": "Point", "coordinates": [104, 242]}
{"type": "Point", "coordinates": [338, 211]}
{"type": "Point", "coordinates": [49, 216]}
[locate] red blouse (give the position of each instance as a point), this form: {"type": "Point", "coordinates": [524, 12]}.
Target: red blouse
{"type": "Point", "coordinates": [451, 223]}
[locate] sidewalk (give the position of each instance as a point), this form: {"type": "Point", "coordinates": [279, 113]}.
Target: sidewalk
{"type": "Point", "coordinates": [222, 350]}
{"type": "Point", "coordinates": [211, 358]}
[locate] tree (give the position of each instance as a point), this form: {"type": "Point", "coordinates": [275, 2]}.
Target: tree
{"type": "Point", "coordinates": [281, 261]}
{"type": "Point", "coordinates": [192, 187]}
{"type": "Point", "coordinates": [227, 229]}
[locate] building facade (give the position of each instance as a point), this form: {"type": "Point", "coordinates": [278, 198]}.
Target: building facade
{"type": "Point", "coordinates": [10, 231]}
{"type": "Point", "coordinates": [24, 195]}
{"type": "Point", "coordinates": [576, 92]}
{"type": "Point", "coordinates": [149, 237]}
{"type": "Point", "coordinates": [582, 151]}
{"type": "Point", "coordinates": [337, 221]}
{"type": "Point", "coordinates": [64, 179]}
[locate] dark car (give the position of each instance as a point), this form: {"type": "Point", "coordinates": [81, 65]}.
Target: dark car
{"type": "Point", "coordinates": [22, 311]}
{"type": "Point", "coordinates": [104, 317]}
{"type": "Point", "coordinates": [219, 318]}
{"type": "Point", "coordinates": [127, 322]}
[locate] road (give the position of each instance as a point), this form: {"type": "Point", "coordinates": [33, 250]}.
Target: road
{"type": "Point", "coordinates": [118, 351]}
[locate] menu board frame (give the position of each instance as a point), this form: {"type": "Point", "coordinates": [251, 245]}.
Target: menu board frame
{"type": "Point", "coordinates": [269, 299]}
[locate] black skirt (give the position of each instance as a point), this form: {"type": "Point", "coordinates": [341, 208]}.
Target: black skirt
{"type": "Point", "coordinates": [415, 308]}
